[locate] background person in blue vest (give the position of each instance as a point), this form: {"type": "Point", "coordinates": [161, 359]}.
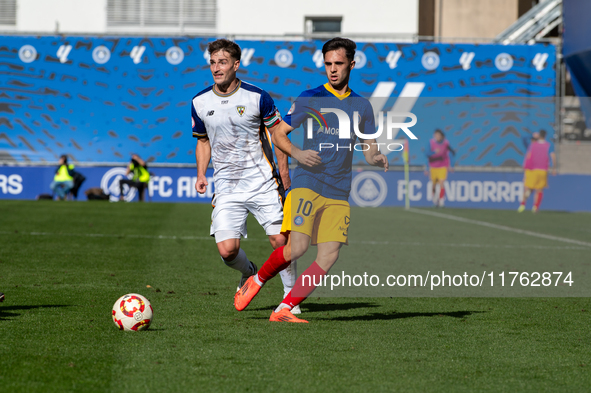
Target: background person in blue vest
{"type": "Point", "coordinates": [63, 180]}
{"type": "Point", "coordinates": [141, 177]}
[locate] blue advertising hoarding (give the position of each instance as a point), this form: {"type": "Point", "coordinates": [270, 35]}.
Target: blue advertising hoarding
{"type": "Point", "coordinates": [100, 99]}
{"type": "Point", "coordinates": [490, 190]}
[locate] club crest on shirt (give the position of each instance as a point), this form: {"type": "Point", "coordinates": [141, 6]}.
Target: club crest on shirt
{"type": "Point", "coordinates": [240, 109]}
{"type": "Point", "coordinates": [292, 109]}
{"type": "Point", "coordinates": [298, 221]}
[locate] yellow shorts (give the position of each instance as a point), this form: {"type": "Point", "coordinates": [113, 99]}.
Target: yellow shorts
{"type": "Point", "coordinates": [535, 179]}
{"type": "Point", "coordinates": [323, 219]}
{"type": "Point", "coordinates": [438, 174]}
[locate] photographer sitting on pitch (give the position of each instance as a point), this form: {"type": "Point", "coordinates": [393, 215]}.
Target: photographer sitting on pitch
{"type": "Point", "coordinates": [141, 177]}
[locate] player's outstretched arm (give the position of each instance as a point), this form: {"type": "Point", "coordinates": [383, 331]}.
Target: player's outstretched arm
{"type": "Point", "coordinates": [280, 139]}
{"type": "Point", "coordinates": [373, 155]}
{"type": "Point", "coordinates": [202, 156]}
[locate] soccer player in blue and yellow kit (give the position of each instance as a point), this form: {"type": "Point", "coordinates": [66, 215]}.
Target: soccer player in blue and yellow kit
{"type": "Point", "coordinates": [317, 210]}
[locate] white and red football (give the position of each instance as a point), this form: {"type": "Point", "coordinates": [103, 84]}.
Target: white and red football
{"type": "Point", "coordinates": [132, 312]}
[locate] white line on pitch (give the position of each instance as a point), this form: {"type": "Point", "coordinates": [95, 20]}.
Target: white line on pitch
{"type": "Point", "coordinates": [371, 242]}
{"type": "Point", "coordinates": [110, 235]}
{"type": "Point", "coordinates": [501, 227]}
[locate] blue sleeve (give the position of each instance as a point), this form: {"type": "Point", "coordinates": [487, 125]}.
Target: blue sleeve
{"type": "Point", "coordinates": [269, 113]}
{"type": "Point", "coordinates": [526, 140]}
{"type": "Point", "coordinates": [551, 150]}
{"type": "Point", "coordinates": [297, 113]}
{"type": "Point", "coordinates": [199, 130]}
{"type": "Point", "coordinates": [367, 122]}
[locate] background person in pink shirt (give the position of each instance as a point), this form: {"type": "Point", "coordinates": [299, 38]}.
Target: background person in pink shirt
{"type": "Point", "coordinates": [438, 153]}
{"type": "Point", "coordinates": [537, 161]}
{"type": "Point", "coordinates": [527, 141]}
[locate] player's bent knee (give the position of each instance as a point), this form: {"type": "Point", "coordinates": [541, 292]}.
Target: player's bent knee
{"type": "Point", "coordinates": [277, 241]}
{"type": "Point", "coordinates": [228, 255]}
{"type": "Point", "coordinates": [228, 250]}
{"type": "Point", "coordinates": [297, 251]}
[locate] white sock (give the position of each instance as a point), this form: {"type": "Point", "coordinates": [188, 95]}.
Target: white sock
{"type": "Point", "coordinates": [289, 276]}
{"type": "Point", "coordinates": [282, 306]}
{"type": "Point", "coordinates": [240, 263]}
{"type": "Point", "coordinates": [258, 280]}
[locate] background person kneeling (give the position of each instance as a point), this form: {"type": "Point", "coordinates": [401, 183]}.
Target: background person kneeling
{"type": "Point", "coordinates": [63, 181]}
{"type": "Point", "coordinates": [141, 177]}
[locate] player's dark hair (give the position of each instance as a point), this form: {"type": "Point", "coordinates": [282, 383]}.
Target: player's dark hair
{"type": "Point", "coordinates": [65, 158]}
{"type": "Point", "coordinates": [543, 134]}
{"type": "Point", "coordinates": [227, 46]}
{"type": "Point", "coordinates": [338, 43]}
{"type": "Point", "coordinates": [440, 132]}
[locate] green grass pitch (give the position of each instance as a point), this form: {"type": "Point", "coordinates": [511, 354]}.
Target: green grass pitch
{"type": "Point", "coordinates": [63, 265]}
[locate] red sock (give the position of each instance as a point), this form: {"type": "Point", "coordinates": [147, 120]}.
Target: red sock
{"type": "Point", "coordinates": [273, 265]}
{"type": "Point", "coordinates": [539, 199]}
{"type": "Point", "coordinates": [305, 285]}
{"type": "Point", "coordinates": [441, 193]}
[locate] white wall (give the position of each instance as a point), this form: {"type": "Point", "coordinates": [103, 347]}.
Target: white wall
{"type": "Point", "coordinates": [242, 17]}
{"type": "Point", "coordinates": [73, 16]}
{"type": "Point", "coordinates": [285, 17]}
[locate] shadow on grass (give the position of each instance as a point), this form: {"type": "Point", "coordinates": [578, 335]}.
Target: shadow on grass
{"type": "Point", "coordinates": [322, 307]}
{"type": "Point", "coordinates": [7, 312]}
{"type": "Point", "coordinates": [400, 315]}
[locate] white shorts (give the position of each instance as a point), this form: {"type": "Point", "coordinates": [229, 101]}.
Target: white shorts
{"type": "Point", "coordinates": [228, 219]}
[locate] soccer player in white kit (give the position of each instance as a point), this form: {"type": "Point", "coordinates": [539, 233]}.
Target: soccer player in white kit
{"type": "Point", "coordinates": [230, 121]}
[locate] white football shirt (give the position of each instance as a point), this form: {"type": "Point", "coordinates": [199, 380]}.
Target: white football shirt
{"type": "Point", "coordinates": [240, 145]}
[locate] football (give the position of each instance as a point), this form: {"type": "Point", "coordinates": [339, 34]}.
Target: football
{"type": "Point", "coordinates": [132, 312]}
